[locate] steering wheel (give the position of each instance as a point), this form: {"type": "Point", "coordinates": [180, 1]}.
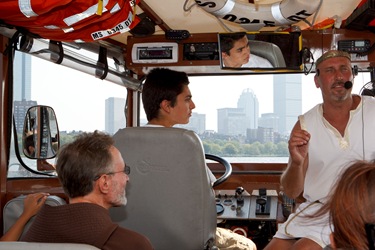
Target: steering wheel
{"type": "Point", "coordinates": [225, 163]}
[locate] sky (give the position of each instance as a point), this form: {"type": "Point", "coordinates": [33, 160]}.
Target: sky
{"type": "Point", "coordinates": [208, 94]}
{"type": "Point", "coordinates": [80, 103]}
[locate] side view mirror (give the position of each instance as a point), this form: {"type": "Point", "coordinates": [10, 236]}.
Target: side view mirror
{"type": "Point", "coordinates": [40, 138]}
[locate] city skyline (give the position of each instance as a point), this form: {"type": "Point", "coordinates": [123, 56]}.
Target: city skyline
{"type": "Point", "coordinates": [238, 120]}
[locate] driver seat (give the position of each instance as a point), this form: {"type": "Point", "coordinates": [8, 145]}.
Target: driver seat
{"type": "Point", "coordinates": [170, 199]}
{"type": "Point", "coordinates": [267, 50]}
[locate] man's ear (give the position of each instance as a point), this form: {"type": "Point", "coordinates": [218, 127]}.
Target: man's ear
{"type": "Point", "coordinates": [316, 80]}
{"type": "Point", "coordinates": [165, 105]}
{"type": "Point", "coordinates": [103, 184]}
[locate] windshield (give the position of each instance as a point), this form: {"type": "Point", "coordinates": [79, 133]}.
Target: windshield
{"type": "Point", "coordinates": [248, 118]}
{"type": "Point", "coordinates": [243, 118]}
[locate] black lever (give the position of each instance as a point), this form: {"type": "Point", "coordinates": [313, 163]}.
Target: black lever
{"type": "Point", "coordinates": [238, 195]}
{"type": "Point", "coordinates": [263, 203]}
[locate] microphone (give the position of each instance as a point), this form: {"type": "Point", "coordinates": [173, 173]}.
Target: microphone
{"type": "Point", "coordinates": [348, 85]}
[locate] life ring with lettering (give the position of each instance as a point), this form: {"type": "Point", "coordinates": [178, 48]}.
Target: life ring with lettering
{"type": "Point", "coordinates": [71, 20]}
{"type": "Point", "coordinates": [255, 16]}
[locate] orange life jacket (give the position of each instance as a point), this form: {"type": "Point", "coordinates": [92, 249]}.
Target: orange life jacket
{"type": "Point", "coordinates": [71, 20]}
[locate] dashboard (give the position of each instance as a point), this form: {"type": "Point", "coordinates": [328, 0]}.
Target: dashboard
{"type": "Point", "coordinates": [253, 215]}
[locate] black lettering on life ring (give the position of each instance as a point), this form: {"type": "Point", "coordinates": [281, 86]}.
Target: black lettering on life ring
{"type": "Point", "coordinates": [269, 23]}
{"type": "Point", "coordinates": [243, 20]}
{"type": "Point", "coordinates": [301, 15]}
{"type": "Point", "coordinates": [230, 18]}
{"type": "Point", "coordinates": [208, 4]}
{"type": "Point", "coordinates": [295, 18]}
{"type": "Point", "coordinates": [304, 13]}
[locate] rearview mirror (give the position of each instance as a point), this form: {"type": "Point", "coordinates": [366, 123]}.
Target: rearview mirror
{"type": "Point", "coordinates": [40, 138]}
{"type": "Point", "coordinates": [260, 51]}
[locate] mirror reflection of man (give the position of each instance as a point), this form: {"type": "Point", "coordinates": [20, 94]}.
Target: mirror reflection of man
{"type": "Point", "coordinates": [235, 52]}
{"type": "Point", "coordinates": [30, 152]}
{"type": "Point", "coordinates": [29, 147]}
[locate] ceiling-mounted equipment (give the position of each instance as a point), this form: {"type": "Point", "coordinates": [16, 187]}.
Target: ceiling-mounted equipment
{"type": "Point", "coordinates": [354, 46]}
{"type": "Point", "coordinates": [166, 52]}
{"type": "Point", "coordinates": [146, 27]}
{"type": "Point", "coordinates": [177, 34]}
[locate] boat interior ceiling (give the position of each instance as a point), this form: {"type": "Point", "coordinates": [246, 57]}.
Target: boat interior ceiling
{"type": "Point", "coordinates": [201, 20]}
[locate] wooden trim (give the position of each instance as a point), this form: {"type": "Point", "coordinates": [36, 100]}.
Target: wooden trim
{"type": "Point", "coordinates": [4, 123]}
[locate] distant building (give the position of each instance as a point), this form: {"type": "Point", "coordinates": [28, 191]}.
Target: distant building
{"type": "Point", "coordinates": [197, 123]}
{"type": "Point", "coordinates": [287, 94]}
{"type": "Point", "coordinates": [22, 76]}
{"type": "Point", "coordinates": [22, 88]}
{"type": "Point", "coordinates": [265, 135]}
{"type": "Point", "coordinates": [269, 120]}
{"type": "Point", "coordinates": [236, 121]}
{"type": "Point", "coordinates": [251, 135]}
{"type": "Point", "coordinates": [114, 114]}
{"type": "Point", "coordinates": [20, 109]}
{"type": "Point", "coordinates": [231, 121]}
{"type": "Point", "coordinates": [250, 105]}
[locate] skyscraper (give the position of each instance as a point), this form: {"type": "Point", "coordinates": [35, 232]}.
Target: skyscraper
{"type": "Point", "coordinates": [114, 114]}
{"type": "Point", "coordinates": [21, 88]}
{"type": "Point", "coordinates": [287, 104]}
{"type": "Point", "coordinates": [22, 77]}
{"type": "Point", "coordinates": [236, 121]}
{"type": "Point", "coordinates": [250, 105]}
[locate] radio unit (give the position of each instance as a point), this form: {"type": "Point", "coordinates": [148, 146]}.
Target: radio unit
{"type": "Point", "coordinates": [354, 46]}
{"type": "Point", "coordinates": [155, 53]}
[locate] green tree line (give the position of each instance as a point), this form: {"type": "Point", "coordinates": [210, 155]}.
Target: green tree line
{"type": "Point", "coordinates": [235, 148]}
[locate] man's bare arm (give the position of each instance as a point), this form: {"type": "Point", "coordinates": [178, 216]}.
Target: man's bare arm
{"type": "Point", "coordinates": [293, 178]}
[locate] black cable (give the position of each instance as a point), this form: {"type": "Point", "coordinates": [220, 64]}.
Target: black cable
{"type": "Point", "coordinates": [102, 64]}
{"type": "Point", "coordinates": [363, 133]}
{"type": "Point", "coordinates": [306, 55]}
{"type": "Point", "coordinates": [363, 92]}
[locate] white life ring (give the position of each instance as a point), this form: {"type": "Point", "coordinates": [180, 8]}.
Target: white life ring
{"type": "Point", "coordinates": [240, 231]}
{"type": "Point", "coordinates": [250, 15]}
